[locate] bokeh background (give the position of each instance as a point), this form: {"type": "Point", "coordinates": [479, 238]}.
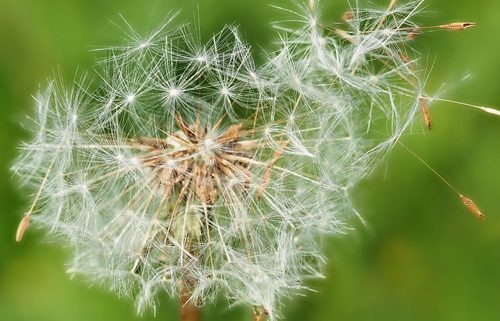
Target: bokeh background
{"type": "Point", "coordinates": [421, 256]}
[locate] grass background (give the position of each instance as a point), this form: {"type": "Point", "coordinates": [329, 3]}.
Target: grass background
{"type": "Point", "coordinates": [421, 256]}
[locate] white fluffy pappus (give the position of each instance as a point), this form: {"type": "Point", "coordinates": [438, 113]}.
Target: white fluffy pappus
{"type": "Point", "coordinates": [183, 166]}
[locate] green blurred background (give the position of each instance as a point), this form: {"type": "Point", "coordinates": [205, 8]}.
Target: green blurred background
{"type": "Point", "coordinates": [422, 256]}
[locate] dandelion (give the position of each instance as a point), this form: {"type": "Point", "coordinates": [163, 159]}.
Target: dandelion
{"type": "Point", "coordinates": [184, 167]}
{"type": "Point", "coordinates": [172, 176]}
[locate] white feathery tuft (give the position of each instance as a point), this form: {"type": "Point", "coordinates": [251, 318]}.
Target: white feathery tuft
{"type": "Point", "coordinates": [184, 162]}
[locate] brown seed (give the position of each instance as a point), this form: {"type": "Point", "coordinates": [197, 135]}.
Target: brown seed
{"type": "Point", "coordinates": [267, 173]}
{"type": "Point", "coordinates": [405, 58]}
{"type": "Point", "coordinates": [457, 26]}
{"type": "Point", "coordinates": [425, 112]}
{"type": "Point", "coordinates": [312, 5]}
{"type": "Point", "coordinates": [259, 314]}
{"type": "Point", "coordinates": [347, 16]}
{"type": "Point", "coordinates": [391, 5]}
{"type": "Point", "coordinates": [344, 35]}
{"type": "Point", "coordinates": [412, 34]}
{"type": "Point", "coordinates": [23, 225]}
{"type": "Point", "coordinates": [472, 207]}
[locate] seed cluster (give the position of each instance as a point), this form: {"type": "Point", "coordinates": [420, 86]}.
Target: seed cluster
{"type": "Point", "coordinates": [196, 165]}
{"type": "Point", "coordinates": [198, 161]}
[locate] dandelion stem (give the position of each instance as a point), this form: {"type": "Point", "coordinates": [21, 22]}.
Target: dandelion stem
{"type": "Point", "coordinates": [188, 311]}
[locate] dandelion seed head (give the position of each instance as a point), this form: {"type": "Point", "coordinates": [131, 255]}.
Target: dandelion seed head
{"type": "Point", "coordinates": [225, 174]}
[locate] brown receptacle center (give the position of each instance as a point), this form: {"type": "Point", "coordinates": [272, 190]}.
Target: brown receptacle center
{"type": "Point", "coordinates": [197, 162]}
{"type": "Point", "coordinates": [195, 166]}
